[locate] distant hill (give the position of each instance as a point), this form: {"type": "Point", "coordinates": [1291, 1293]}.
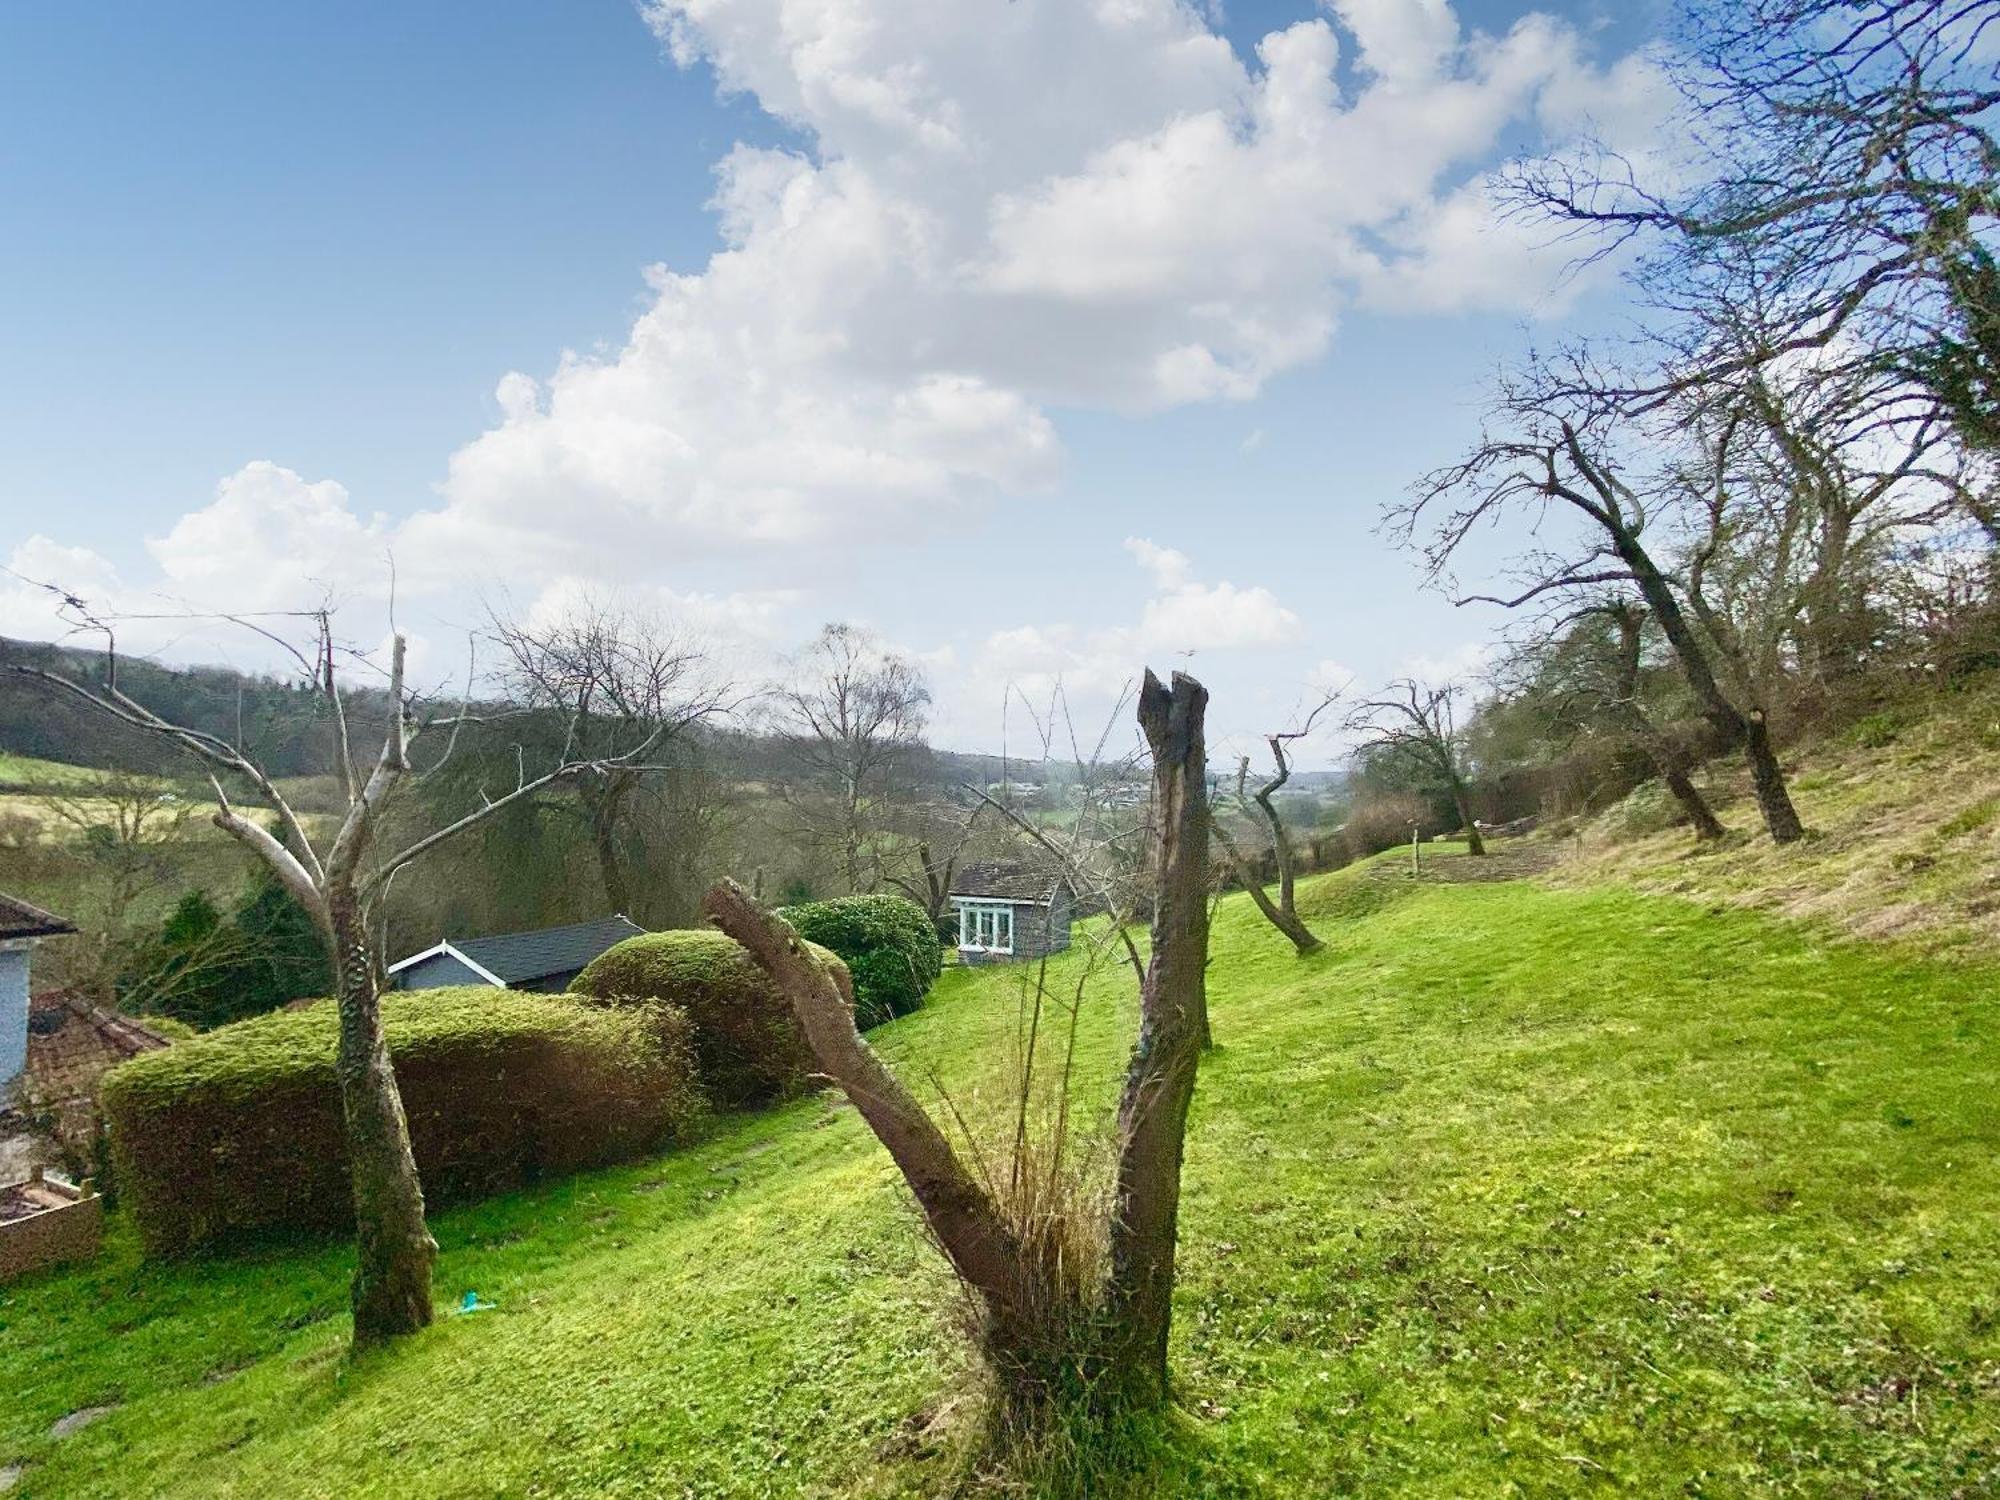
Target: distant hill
{"type": "Point", "coordinates": [280, 722]}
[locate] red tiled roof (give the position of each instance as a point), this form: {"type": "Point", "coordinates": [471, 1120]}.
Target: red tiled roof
{"type": "Point", "coordinates": [72, 1042]}
{"type": "Point", "coordinates": [18, 919]}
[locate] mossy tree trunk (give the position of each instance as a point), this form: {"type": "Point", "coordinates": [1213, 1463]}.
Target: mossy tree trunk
{"type": "Point", "coordinates": [391, 1292]}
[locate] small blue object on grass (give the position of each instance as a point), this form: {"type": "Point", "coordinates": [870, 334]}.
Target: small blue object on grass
{"type": "Point", "coordinates": [472, 1304]}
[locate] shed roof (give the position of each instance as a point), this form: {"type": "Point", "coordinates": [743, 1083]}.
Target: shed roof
{"type": "Point", "coordinates": [20, 920]}
{"type": "Point", "coordinates": [1026, 877]}
{"type": "Point", "coordinates": [516, 957]}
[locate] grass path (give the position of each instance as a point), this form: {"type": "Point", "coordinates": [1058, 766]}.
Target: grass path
{"type": "Point", "coordinates": [1516, 1191]}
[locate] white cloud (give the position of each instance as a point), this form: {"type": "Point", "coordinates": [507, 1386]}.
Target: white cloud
{"type": "Point", "coordinates": [1463, 667]}
{"type": "Point", "coordinates": [272, 540]}
{"type": "Point", "coordinates": [993, 211]}
{"type": "Point", "coordinates": [1086, 202]}
{"type": "Point", "coordinates": [1183, 617]}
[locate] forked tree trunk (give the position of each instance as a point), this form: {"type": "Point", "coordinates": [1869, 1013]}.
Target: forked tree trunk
{"type": "Point", "coordinates": [1781, 819]}
{"type": "Point", "coordinates": [1031, 1335]}
{"type": "Point", "coordinates": [1283, 913]}
{"type": "Point", "coordinates": [395, 1251]}
{"type": "Point", "coordinates": [1173, 1015]}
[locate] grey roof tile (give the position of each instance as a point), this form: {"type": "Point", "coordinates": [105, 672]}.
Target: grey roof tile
{"type": "Point", "coordinates": [518, 956]}
{"type": "Point", "coordinates": [1026, 877]}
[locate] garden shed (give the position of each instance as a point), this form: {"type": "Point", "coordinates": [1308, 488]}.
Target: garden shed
{"type": "Point", "coordinates": [545, 960]}
{"type": "Point", "coordinates": [1012, 908]}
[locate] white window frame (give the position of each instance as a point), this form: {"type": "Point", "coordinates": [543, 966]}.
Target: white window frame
{"type": "Point", "coordinates": [986, 927]}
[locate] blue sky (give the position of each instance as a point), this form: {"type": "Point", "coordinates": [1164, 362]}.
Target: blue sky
{"type": "Point", "coordinates": [317, 237]}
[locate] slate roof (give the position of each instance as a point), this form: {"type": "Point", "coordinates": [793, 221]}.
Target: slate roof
{"type": "Point", "coordinates": [20, 920]}
{"type": "Point", "coordinates": [1024, 877]}
{"type": "Point", "coordinates": [518, 957]}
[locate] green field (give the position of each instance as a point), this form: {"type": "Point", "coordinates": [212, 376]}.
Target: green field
{"type": "Point", "coordinates": [1516, 1191]}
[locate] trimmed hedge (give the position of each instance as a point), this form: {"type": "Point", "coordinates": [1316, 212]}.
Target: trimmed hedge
{"type": "Point", "coordinates": [749, 1048]}
{"type": "Point", "coordinates": [890, 946]}
{"type": "Point", "coordinates": [240, 1129]}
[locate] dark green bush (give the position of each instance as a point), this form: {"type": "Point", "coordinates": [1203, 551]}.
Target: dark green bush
{"type": "Point", "coordinates": [889, 944]}
{"type": "Point", "coordinates": [239, 1129]}
{"type": "Point", "coordinates": [747, 1045]}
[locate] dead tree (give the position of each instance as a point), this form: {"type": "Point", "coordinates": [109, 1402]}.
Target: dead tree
{"type": "Point", "coordinates": [1415, 719]}
{"type": "Point", "coordinates": [1282, 914]}
{"type": "Point", "coordinates": [1042, 1336]}
{"type": "Point", "coordinates": [340, 883]}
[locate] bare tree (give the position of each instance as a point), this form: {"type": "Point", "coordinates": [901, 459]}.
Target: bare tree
{"type": "Point", "coordinates": [1282, 914]}
{"type": "Point", "coordinates": [1845, 165]}
{"type": "Point", "coordinates": [1545, 456]}
{"type": "Point", "coordinates": [1415, 719]}
{"type": "Point", "coordinates": [853, 718]}
{"type": "Point", "coordinates": [945, 831]}
{"type": "Point", "coordinates": [340, 882]}
{"type": "Point", "coordinates": [1036, 1336]}
{"type": "Point", "coordinates": [124, 826]}
{"type": "Point", "coordinates": [597, 680]}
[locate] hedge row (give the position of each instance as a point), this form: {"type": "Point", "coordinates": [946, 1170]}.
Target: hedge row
{"type": "Point", "coordinates": [889, 943]}
{"type": "Point", "coordinates": [240, 1129]}
{"type": "Point", "coordinates": [747, 1046]}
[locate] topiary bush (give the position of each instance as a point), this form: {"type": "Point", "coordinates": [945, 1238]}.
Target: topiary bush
{"type": "Point", "coordinates": [889, 943]}
{"type": "Point", "coordinates": [747, 1044]}
{"type": "Point", "coordinates": [240, 1130]}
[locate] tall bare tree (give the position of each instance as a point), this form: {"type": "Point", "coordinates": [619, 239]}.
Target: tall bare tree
{"type": "Point", "coordinates": [1843, 175]}
{"type": "Point", "coordinates": [595, 680]}
{"type": "Point", "coordinates": [852, 714]}
{"type": "Point", "coordinates": [1420, 721]}
{"type": "Point", "coordinates": [1042, 1335]}
{"type": "Point", "coordinates": [340, 882]}
{"type": "Point", "coordinates": [1543, 455]}
{"type": "Point", "coordinates": [1261, 804]}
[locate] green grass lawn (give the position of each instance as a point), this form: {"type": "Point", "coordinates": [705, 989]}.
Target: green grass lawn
{"type": "Point", "coordinates": [1516, 1191]}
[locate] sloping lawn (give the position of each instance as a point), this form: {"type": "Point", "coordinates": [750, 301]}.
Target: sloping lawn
{"type": "Point", "coordinates": [1516, 1191]}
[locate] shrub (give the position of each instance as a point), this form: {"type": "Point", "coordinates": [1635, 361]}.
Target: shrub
{"type": "Point", "coordinates": [240, 1129]}
{"type": "Point", "coordinates": [747, 1045]}
{"type": "Point", "coordinates": [1382, 821]}
{"type": "Point", "coordinates": [889, 944]}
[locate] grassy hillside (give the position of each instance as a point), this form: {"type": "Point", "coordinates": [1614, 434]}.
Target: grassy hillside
{"type": "Point", "coordinates": [1516, 1191]}
{"type": "Point", "coordinates": [1903, 813]}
